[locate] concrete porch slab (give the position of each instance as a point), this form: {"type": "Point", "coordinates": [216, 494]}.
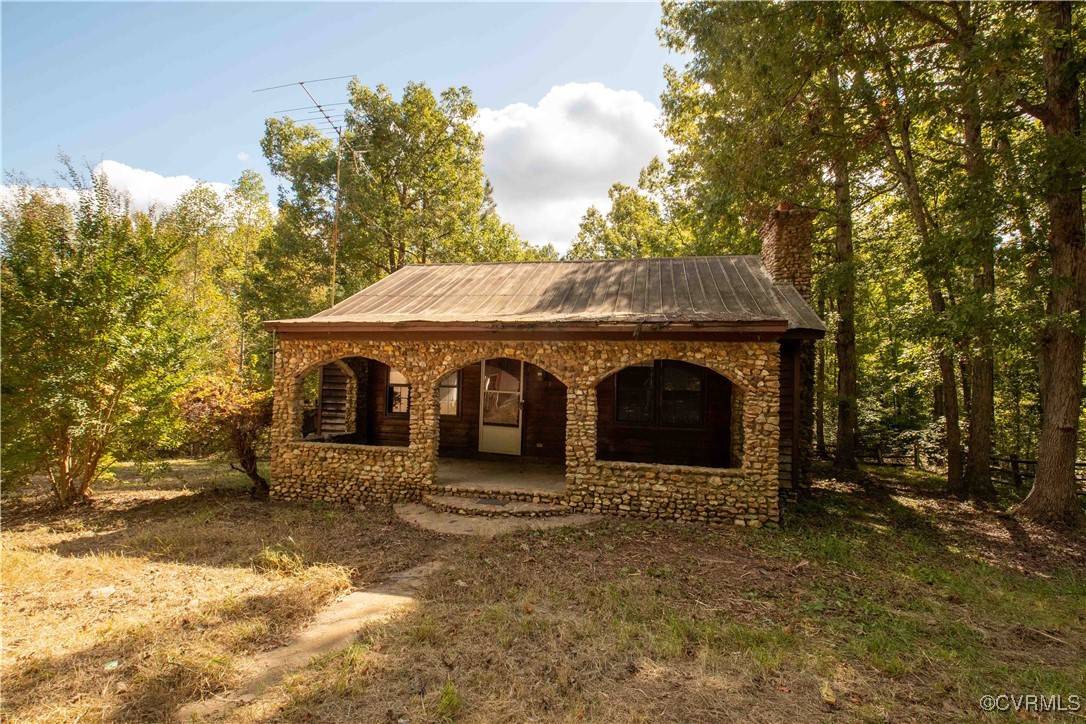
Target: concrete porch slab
{"type": "Point", "coordinates": [514, 476]}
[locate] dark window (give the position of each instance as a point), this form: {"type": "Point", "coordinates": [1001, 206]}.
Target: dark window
{"type": "Point", "coordinates": [667, 393]}
{"type": "Point", "coordinates": [398, 399]}
{"type": "Point", "coordinates": [634, 395]}
{"type": "Point", "coordinates": [448, 391]}
{"type": "Point", "coordinates": [682, 394]}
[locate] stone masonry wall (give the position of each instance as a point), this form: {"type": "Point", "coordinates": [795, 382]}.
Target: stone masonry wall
{"type": "Point", "coordinates": [787, 253]}
{"type": "Point", "coordinates": [787, 241]}
{"type": "Point", "coordinates": [745, 495]}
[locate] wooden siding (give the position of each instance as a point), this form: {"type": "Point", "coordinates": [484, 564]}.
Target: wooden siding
{"type": "Point", "coordinates": [790, 416]}
{"type": "Point", "coordinates": [382, 428]}
{"type": "Point", "coordinates": [544, 430]}
{"type": "Point", "coordinates": [460, 435]}
{"type": "Point", "coordinates": [708, 446]}
{"type": "Point", "coordinates": [544, 415]}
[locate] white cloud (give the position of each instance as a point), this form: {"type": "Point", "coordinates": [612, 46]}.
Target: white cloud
{"type": "Point", "coordinates": [551, 161]}
{"type": "Point", "coordinates": [147, 187]}
{"type": "Point", "coordinates": [242, 156]}
{"type": "Point", "coordinates": [9, 194]}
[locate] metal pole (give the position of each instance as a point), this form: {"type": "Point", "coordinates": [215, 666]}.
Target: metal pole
{"type": "Point", "coordinates": [335, 227]}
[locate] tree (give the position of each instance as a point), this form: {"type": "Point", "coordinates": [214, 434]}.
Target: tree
{"type": "Point", "coordinates": [1052, 498]}
{"type": "Point", "coordinates": [411, 189]}
{"type": "Point", "coordinates": [761, 114]}
{"type": "Point", "coordinates": [93, 345]}
{"type": "Point", "coordinates": [225, 411]}
{"type": "Point", "coordinates": [635, 227]}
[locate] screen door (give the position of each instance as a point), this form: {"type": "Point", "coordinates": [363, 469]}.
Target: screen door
{"type": "Point", "coordinates": [501, 417]}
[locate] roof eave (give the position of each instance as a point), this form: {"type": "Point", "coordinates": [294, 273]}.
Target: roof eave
{"type": "Point", "coordinates": [702, 329]}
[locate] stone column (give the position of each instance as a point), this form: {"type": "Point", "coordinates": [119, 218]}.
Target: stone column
{"type": "Point", "coordinates": [787, 240]}
{"type": "Point", "coordinates": [761, 434]}
{"type": "Point", "coordinates": [286, 416]}
{"type": "Point", "coordinates": [424, 427]}
{"type": "Point", "coordinates": [580, 440]}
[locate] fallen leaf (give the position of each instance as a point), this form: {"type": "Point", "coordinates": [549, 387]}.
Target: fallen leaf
{"type": "Point", "coordinates": [827, 693]}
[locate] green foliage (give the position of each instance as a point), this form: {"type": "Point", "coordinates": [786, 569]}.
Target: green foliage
{"type": "Point", "coordinates": [411, 191]}
{"type": "Point", "coordinates": [94, 344]}
{"type": "Point", "coordinates": [219, 238]}
{"type": "Point", "coordinates": [224, 411]}
{"type": "Point", "coordinates": [636, 226]}
{"type": "Point", "coordinates": [949, 179]}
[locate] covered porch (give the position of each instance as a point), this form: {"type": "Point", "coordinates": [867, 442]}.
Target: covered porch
{"type": "Point", "coordinates": [510, 477]}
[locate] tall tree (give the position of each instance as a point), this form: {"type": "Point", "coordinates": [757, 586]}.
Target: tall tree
{"type": "Point", "coordinates": [411, 187]}
{"type": "Point", "coordinates": [762, 113]}
{"type": "Point", "coordinates": [636, 226]}
{"type": "Point", "coordinates": [93, 345]}
{"type": "Point", "coordinates": [1052, 498]}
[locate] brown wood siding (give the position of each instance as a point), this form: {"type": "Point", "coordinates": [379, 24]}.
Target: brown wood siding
{"type": "Point", "coordinates": [790, 415]}
{"type": "Point", "coordinates": [332, 410]}
{"type": "Point", "coordinates": [383, 428]}
{"type": "Point", "coordinates": [460, 435]}
{"type": "Point", "coordinates": [708, 446]}
{"type": "Point", "coordinates": [544, 430]}
{"type": "Point", "coordinates": [544, 415]}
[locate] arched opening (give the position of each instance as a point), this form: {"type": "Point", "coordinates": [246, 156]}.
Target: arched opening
{"type": "Point", "coordinates": [667, 412]}
{"type": "Point", "coordinates": [502, 426]}
{"type": "Point", "coordinates": [354, 401]}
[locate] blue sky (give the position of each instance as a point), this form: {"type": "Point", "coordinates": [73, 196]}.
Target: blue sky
{"type": "Point", "coordinates": [167, 87]}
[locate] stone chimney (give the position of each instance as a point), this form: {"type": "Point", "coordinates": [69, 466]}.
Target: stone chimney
{"type": "Point", "coordinates": [787, 237]}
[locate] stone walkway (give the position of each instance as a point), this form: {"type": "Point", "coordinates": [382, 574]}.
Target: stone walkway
{"type": "Point", "coordinates": [441, 522]}
{"type": "Point", "coordinates": [333, 628]}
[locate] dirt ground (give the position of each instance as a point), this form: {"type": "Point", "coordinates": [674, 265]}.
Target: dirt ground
{"type": "Point", "coordinates": [877, 601]}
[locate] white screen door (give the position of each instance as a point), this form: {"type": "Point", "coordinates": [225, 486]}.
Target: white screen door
{"type": "Point", "coordinates": [501, 406]}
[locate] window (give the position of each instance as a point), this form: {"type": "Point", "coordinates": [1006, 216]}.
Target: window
{"type": "Point", "coordinates": [634, 395]}
{"type": "Point", "coordinates": [398, 399]}
{"type": "Point", "coordinates": [665, 393]}
{"type": "Point", "coordinates": [681, 394]}
{"type": "Point", "coordinates": [448, 392]}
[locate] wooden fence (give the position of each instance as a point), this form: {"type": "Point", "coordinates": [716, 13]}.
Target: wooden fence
{"type": "Point", "coordinates": [1010, 470]}
{"type": "Point", "coordinates": [1018, 472]}
{"type": "Point", "coordinates": [878, 456]}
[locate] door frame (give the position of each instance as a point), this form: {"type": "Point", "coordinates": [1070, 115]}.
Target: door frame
{"type": "Point", "coordinates": [501, 439]}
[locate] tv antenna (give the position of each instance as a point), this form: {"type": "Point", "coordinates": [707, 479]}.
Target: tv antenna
{"type": "Point", "coordinates": [330, 122]}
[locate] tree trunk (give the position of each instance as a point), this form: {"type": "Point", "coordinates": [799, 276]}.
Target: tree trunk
{"type": "Point", "coordinates": [1052, 498]}
{"type": "Point", "coordinates": [820, 390]}
{"type": "Point", "coordinates": [845, 458]}
{"type": "Point", "coordinates": [246, 452]}
{"type": "Point", "coordinates": [954, 479]}
{"type": "Point", "coordinates": [981, 243]}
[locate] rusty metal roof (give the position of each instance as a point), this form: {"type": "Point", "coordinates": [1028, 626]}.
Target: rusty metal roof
{"type": "Point", "coordinates": [684, 290]}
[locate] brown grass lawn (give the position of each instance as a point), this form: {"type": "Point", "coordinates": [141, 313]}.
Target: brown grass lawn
{"type": "Point", "coordinates": [894, 602]}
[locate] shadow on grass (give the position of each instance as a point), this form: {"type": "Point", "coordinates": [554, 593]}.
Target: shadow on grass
{"type": "Point", "coordinates": [230, 529]}
{"type": "Point", "coordinates": [146, 670]}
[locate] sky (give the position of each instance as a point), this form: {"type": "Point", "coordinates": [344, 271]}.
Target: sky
{"type": "Point", "coordinates": [159, 95]}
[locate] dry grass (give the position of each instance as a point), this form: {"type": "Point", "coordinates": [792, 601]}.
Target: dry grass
{"type": "Point", "coordinates": [155, 594]}
{"type": "Point", "coordinates": [905, 604]}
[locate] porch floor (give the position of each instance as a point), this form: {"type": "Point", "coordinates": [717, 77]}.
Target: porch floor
{"type": "Point", "coordinates": [514, 475]}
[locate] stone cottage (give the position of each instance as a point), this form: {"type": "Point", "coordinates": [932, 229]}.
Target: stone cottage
{"type": "Point", "coordinates": [674, 388]}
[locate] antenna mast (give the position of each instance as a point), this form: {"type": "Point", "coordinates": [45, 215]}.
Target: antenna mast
{"type": "Point", "coordinates": [339, 153]}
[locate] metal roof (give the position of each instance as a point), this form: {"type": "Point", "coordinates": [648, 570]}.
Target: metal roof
{"type": "Point", "coordinates": [683, 290]}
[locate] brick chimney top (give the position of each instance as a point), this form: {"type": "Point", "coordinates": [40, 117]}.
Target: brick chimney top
{"type": "Point", "coordinates": [787, 239]}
